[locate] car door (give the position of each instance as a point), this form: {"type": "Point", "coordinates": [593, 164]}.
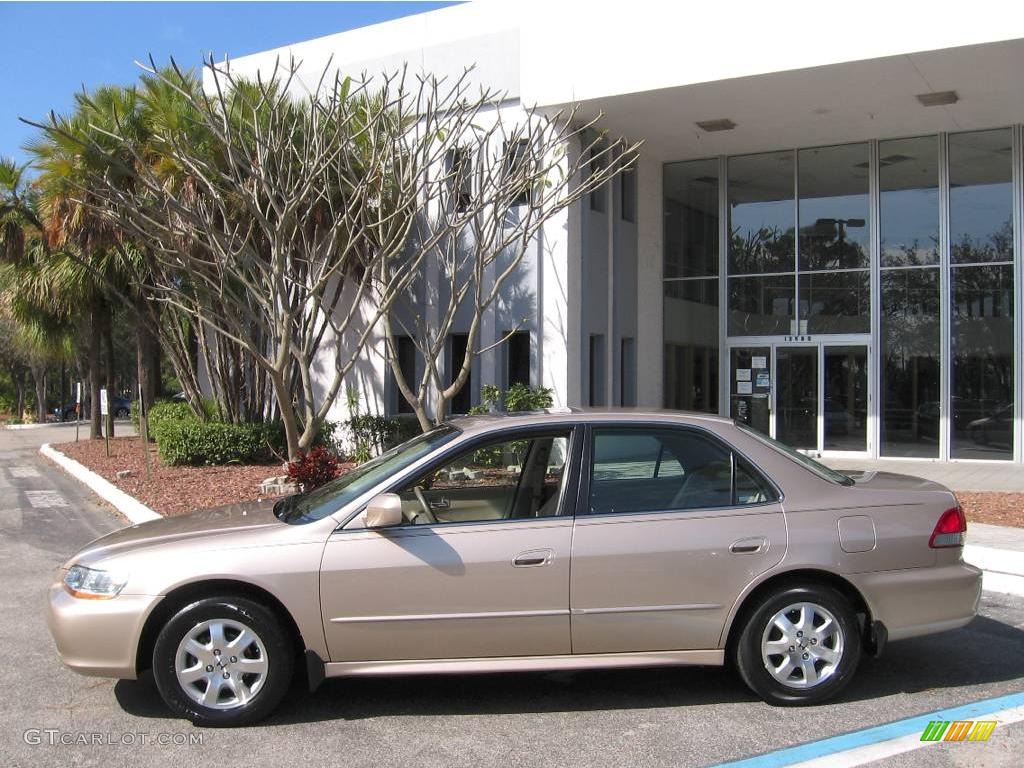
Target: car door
{"type": "Point", "coordinates": [480, 567]}
{"type": "Point", "coordinates": [672, 525]}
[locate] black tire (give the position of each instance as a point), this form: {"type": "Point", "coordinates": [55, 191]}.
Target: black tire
{"type": "Point", "coordinates": [753, 668]}
{"type": "Point", "coordinates": [280, 655]}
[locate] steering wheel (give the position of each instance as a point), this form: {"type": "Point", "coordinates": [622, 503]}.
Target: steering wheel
{"type": "Point", "coordinates": [418, 490]}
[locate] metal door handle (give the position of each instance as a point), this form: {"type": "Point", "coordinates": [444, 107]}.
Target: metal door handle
{"type": "Point", "coordinates": [533, 558]}
{"type": "Point", "coordinates": [440, 504]}
{"type": "Point", "coordinates": [748, 546]}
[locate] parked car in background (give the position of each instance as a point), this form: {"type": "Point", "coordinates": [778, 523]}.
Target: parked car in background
{"type": "Point", "coordinates": [120, 406]}
{"type": "Point", "coordinates": [541, 541]}
{"type": "Point", "coordinates": [994, 429]}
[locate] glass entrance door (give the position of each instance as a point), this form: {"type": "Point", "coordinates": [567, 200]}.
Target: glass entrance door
{"type": "Point", "coordinates": [845, 404]}
{"type": "Point", "coordinates": [811, 396]}
{"type": "Point", "coordinates": [796, 397]}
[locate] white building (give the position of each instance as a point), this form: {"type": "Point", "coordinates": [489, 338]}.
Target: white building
{"type": "Point", "coordinates": [822, 238]}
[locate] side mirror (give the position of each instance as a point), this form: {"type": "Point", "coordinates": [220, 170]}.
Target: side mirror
{"type": "Point", "coordinates": [384, 511]}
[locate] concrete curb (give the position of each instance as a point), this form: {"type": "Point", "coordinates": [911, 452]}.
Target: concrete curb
{"type": "Point", "coordinates": [128, 506]}
{"type": "Point", "coordinates": [40, 425]}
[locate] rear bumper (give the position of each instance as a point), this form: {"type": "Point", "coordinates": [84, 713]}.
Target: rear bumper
{"type": "Point", "coordinates": [98, 637]}
{"type": "Point", "coordinates": [921, 601]}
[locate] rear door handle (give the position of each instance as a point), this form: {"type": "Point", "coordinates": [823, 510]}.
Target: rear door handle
{"type": "Point", "coordinates": [441, 503]}
{"type": "Point", "coordinates": [749, 546]}
{"type": "Point", "coordinates": [533, 558]}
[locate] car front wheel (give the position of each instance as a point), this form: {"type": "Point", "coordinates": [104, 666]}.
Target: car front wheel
{"type": "Point", "coordinates": [801, 645]}
{"type": "Point", "coordinates": [223, 661]}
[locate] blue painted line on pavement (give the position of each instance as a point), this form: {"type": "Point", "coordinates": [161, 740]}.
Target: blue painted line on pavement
{"type": "Point", "coordinates": [873, 735]}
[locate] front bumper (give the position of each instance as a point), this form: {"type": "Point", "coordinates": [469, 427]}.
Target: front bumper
{"type": "Point", "coordinates": [921, 601]}
{"type": "Point", "coordinates": [98, 637]}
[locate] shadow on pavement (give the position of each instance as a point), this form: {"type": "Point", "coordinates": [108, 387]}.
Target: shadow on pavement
{"type": "Point", "coordinates": [987, 651]}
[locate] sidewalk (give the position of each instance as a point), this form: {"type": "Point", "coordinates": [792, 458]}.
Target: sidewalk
{"type": "Point", "coordinates": [999, 551]}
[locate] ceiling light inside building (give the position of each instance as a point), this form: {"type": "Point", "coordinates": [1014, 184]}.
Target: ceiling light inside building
{"type": "Point", "coordinates": [937, 98]}
{"type": "Point", "coordinates": [711, 126]}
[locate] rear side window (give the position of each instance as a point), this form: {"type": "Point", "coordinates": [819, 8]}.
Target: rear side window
{"type": "Point", "coordinates": [661, 470]}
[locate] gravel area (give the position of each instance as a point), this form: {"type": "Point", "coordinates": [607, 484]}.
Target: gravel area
{"type": "Point", "coordinates": [993, 507]}
{"type": "Point", "coordinates": [170, 490]}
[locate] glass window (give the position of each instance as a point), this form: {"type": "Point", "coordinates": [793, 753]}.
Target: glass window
{"type": "Point", "coordinates": [597, 369]}
{"type": "Point", "coordinates": [761, 214]}
{"type": "Point", "coordinates": [910, 362]}
{"type": "Point", "coordinates": [691, 219]}
{"type": "Point", "coordinates": [980, 197]}
{"type": "Point", "coordinates": [406, 352]}
{"type": "Point", "coordinates": [517, 359]}
{"type": "Point", "coordinates": [596, 161]}
{"type": "Point", "coordinates": [761, 305]}
{"type": "Point", "coordinates": [502, 480]}
{"type": "Point", "coordinates": [658, 470]}
{"type": "Point", "coordinates": [836, 302]}
{"type": "Point", "coordinates": [908, 174]}
{"type": "Point", "coordinates": [814, 466]}
{"type": "Point", "coordinates": [690, 312]}
{"type": "Point", "coordinates": [460, 177]}
{"type": "Point", "coordinates": [627, 195]}
{"type": "Point", "coordinates": [332, 497]}
{"type": "Point", "coordinates": [834, 207]}
{"type": "Point", "coordinates": [982, 336]}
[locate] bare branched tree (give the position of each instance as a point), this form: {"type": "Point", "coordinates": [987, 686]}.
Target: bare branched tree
{"type": "Point", "coordinates": [505, 174]}
{"type": "Point", "coordinates": [288, 222]}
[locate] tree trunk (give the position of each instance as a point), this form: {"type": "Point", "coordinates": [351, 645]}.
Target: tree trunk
{"type": "Point", "coordinates": [39, 379]}
{"type": "Point", "coordinates": [287, 409]}
{"type": "Point", "coordinates": [95, 337]}
{"type": "Point", "coordinates": [108, 344]}
{"type": "Point", "coordinates": [145, 341]}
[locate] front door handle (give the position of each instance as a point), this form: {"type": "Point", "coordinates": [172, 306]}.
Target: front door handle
{"type": "Point", "coordinates": [441, 503]}
{"type": "Point", "coordinates": [533, 558]}
{"type": "Point", "coordinates": [749, 546]}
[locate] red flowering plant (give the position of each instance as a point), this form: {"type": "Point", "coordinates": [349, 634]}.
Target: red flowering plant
{"type": "Point", "coordinates": [314, 468]}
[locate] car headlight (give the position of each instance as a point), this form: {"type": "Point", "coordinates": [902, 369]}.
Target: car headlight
{"type": "Point", "coordinates": [93, 584]}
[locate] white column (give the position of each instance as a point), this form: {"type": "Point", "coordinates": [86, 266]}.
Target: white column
{"type": "Point", "coordinates": [649, 346]}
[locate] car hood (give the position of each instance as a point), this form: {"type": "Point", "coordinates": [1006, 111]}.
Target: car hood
{"type": "Point", "coordinates": [891, 481]}
{"type": "Point", "coordinates": [216, 523]}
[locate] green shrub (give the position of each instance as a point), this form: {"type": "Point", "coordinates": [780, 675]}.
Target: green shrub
{"type": "Point", "coordinates": [168, 410]}
{"type": "Point", "coordinates": [372, 434]}
{"type": "Point", "coordinates": [195, 442]}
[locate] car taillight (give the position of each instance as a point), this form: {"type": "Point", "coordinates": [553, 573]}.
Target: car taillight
{"type": "Point", "coordinates": [949, 531]}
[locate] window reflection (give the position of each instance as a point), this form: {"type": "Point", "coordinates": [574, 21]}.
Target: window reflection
{"type": "Point", "coordinates": [691, 219]}
{"type": "Point", "coordinates": [834, 207]}
{"type": "Point", "coordinates": [982, 335]}
{"type": "Point", "coordinates": [908, 174]}
{"type": "Point", "coordinates": [761, 213]}
{"type": "Point", "coordinates": [760, 305]}
{"type": "Point", "coordinates": [910, 362]}
{"type": "Point", "coordinates": [836, 302]}
{"type": "Point", "coordinates": [691, 344]}
{"type": "Point", "coordinates": [980, 197]}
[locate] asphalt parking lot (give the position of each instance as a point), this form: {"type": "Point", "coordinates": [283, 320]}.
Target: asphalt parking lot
{"type": "Point", "coordinates": [671, 717]}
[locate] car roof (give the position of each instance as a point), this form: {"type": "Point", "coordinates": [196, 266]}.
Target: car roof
{"type": "Point", "coordinates": [489, 421]}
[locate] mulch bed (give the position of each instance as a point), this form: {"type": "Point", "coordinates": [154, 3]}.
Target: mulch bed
{"type": "Point", "coordinates": [170, 490]}
{"type": "Point", "coordinates": [993, 507]}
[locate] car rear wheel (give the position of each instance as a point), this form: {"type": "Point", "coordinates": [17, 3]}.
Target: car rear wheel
{"type": "Point", "coordinates": [800, 645]}
{"type": "Point", "coordinates": [223, 661]}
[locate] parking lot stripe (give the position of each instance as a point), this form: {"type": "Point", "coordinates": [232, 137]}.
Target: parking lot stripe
{"type": "Point", "coordinates": [897, 735]}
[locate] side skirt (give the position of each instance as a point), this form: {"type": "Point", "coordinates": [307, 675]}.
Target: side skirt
{"type": "Point", "coordinates": [525, 663]}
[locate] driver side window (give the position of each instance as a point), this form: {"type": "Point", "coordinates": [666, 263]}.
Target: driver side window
{"type": "Point", "coordinates": [498, 480]}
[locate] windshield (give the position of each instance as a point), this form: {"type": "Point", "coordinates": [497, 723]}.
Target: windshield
{"type": "Point", "coordinates": [320, 502]}
{"type": "Point", "coordinates": [816, 467]}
